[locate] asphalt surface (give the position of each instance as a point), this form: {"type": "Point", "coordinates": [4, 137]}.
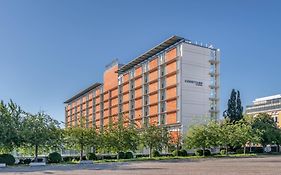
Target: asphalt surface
{"type": "Point", "coordinates": [266, 165]}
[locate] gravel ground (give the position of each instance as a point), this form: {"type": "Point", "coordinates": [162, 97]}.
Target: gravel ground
{"type": "Point", "coordinates": [266, 165]}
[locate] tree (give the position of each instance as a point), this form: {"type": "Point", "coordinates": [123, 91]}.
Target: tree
{"type": "Point", "coordinates": [234, 107]}
{"type": "Point", "coordinates": [80, 137]}
{"type": "Point", "coordinates": [244, 134]}
{"type": "Point", "coordinates": [11, 119]}
{"type": "Point", "coordinates": [40, 130]}
{"type": "Point", "coordinates": [155, 137]}
{"type": "Point", "coordinates": [203, 136]}
{"type": "Point", "coordinates": [269, 131]}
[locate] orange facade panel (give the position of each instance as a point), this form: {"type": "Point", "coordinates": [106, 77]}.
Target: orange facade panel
{"type": "Point", "coordinates": [153, 63]}
{"type": "Point", "coordinates": [172, 67]}
{"type": "Point", "coordinates": [138, 93]}
{"type": "Point", "coordinates": [171, 118]}
{"type": "Point", "coordinates": [126, 87]}
{"type": "Point", "coordinates": [114, 93]}
{"type": "Point", "coordinates": [153, 110]}
{"type": "Point", "coordinates": [171, 105]}
{"type": "Point", "coordinates": [114, 101]}
{"type": "Point", "coordinates": [114, 110]}
{"type": "Point", "coordinates": [138, 82]}
{"type": "Point", "coordinates": [153, 98]}
{"type": "Point", "coordinates": [171, 54]}
{"type": "Point", "coordinates": [110, 78]}
{"type": "Point", "coordinates": [125, 107]}
{"type": "Point", "coordinates": [153, 75]}
{"type": "Point", "coordinates": [125, 77]}
{"type": "Point", "coordinates": [171, 93]}
{"type": "Point", "coordinates": [153, 120]}
{"type": "Point", "coordinates": [153, 87]}
{"type": "Point", "coordinates": [138, 114]}
{"type": "Point", "coordinates": [171, 80]}
{"type": "Point", "coordinates": [138, 103]}
{"type": "Point", "coordinates": [126, 97]}
{"type": "Point", "coordinates": [138, 71]}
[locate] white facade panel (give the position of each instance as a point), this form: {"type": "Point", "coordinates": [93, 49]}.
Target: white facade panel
{"type": "Point", "coordinates": [195, 85]}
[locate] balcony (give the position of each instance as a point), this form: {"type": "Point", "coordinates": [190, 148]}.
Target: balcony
{"type": "Point", "coordinates": [213, 61]}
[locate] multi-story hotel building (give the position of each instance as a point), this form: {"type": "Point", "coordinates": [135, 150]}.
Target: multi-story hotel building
{"type": "Point", "coordinates": [270, 105]}
{"type": "Point", "coordinates": [176, 83]}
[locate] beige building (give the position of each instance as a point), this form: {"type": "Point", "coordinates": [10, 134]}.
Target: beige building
{"type": "Point", "coordinates": [270, 105]}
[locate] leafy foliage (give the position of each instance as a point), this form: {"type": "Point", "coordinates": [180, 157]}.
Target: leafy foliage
{"type": "Point", "coordinates": [40, 130]}
{"type": "Point", "coordinates": [155, 137]}
{"type": "Point", "coordinates": [54, 157]}
{"type": "Point", "coordinates": [234, 110]}
{"type": "Point", "coordinates": [8, 159]}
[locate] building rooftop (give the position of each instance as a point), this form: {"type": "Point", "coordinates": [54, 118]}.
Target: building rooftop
{"type": "Point", "coordinates": [162, 46]}
{"type": "Point", "coordinates": [93, 86]}
{"type": "Point", "coordinates": [267, 98]}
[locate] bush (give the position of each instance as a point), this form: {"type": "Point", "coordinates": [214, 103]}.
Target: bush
{"type": "Point", "coordinates": [239, 151]}
{"type": "Point", "coordinates": [129, 155]}
{"type": "Point", "coordinates": [54, 157]}
{"type": "Point", "coordinates": [67, 159]}
{"type": "Point", "coordinates": [156, 153]}
{"type": "Point", "coordinates": [176, 153]}
{"type": "Point", "coordinates": [223, 152]}
{"type": "Point", "coordinates": [199, 152]}
{"type": "Point", "coordinates": [8, 159]}
{"type": "Point", "coordinates": [141, 155]}
{"type": "Point", "coordinates": [121, 155]}
{"type": "Point", "coordinates": [207, 152]}
{"type": "Point", "coordinates": [27, 161]}
{"type": "Point", "coordinates": [183, 153]}
{"type": "Point", "coordinates": [91, 156]}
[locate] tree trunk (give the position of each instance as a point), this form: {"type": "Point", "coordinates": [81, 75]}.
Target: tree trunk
{"type": "Point", "coordinates": [226, 151]}
{"type": "Point", "coordinates": [36, 153]}
{"type": "Point", "coordinates": [150, 152]}
{"type": "Point", "coordinates": [244, 149]}
{"type": "Point", "coordinates": [203, 151]}
{"type": "Point", "coordinates": [81, 152]}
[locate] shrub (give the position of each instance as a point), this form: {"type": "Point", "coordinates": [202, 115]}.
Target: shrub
{"type": "Point", "coordinates": [121, 155]}
{"type": "Point", "coordinates": [91, 156]}
{"type": "Point", "coordinates": [156, 153]}
{"type": "Point", "coordinates": [129, 155]}
{"type": "Point", "coordinates": [8, 159]}
{"type": "Point", "coordinates": [239, 151]}
{"type": "Point", "coordinates": [54, 157]}
{"type": "Point", "coordinates": [176, 153]}
{"type": "Point", "coordinates": [207, 152]}
{"type": "Point", "coordinates": [199, 152]}
{"type": "Point", "coordinates": [183, 153]}
{"type": "Point", "coordinates": [67, 159]}
{"type": "Point", "coordinates": [27, 161]}
{"type": "Point", "coordinates": [223, 152]}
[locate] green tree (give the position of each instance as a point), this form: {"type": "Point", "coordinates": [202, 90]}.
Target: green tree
{"type": "Point", "coordinates": [80, 138]}
{"type": "Point", "coordinates": [11, 119]}
{"type": "Point", "coordinates": [234, 107]}
{"type": "Point", "coordinates": [269, 131]}
{"type": "Point", "coordinates": [155, 138]}
{"type": "Point", "coordinates": [203, 136]}
{"type": "Point", "coordinates": [40, 130]}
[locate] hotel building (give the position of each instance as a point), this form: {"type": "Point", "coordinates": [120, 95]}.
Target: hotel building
{"type": "Point", "coordinates": [176, 84]}
{"type": "Point", "coordinates": [270, 105]}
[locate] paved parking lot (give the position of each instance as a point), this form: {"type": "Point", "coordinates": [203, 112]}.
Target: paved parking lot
{"type": "Point", "coordinates": [267, 165]}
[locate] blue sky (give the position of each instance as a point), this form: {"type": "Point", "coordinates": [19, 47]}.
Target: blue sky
{"type": "Point", "coordinates": [51, 49]}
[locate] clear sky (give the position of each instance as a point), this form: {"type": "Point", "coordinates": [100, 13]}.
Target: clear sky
{"type": "Point", "coordinates": [52, 49]}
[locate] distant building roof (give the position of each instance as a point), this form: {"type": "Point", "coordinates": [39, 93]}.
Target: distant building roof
{"type": "Point", "coordinates": [162, 46]}
{"type": "Point", "coordinates": [267, 98]}
{"type": "Point", "coordinates": [95, 85]}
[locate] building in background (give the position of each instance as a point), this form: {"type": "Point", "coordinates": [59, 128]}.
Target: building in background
{"type": "Point", "coordinates": [176, 84]}
{"type": "Point", "coordinates": [270, 105]}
